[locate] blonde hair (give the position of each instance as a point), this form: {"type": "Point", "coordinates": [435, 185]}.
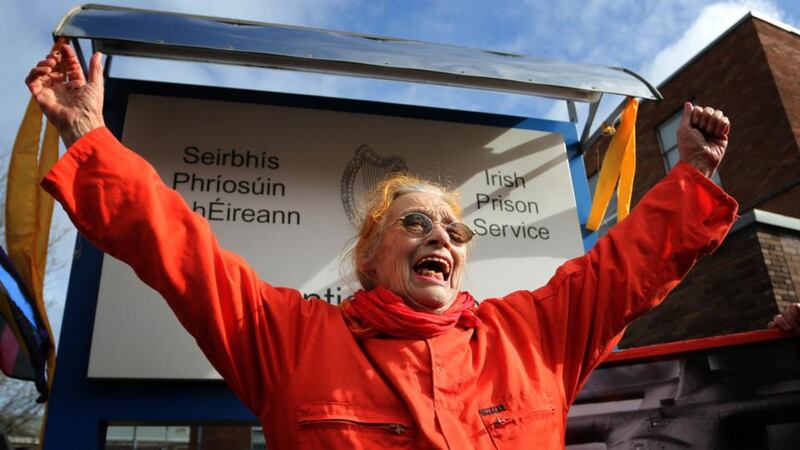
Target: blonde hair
{"type": "Point", "coordinates": [377, 201]}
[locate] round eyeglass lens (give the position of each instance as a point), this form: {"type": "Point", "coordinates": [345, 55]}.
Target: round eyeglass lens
{"type": "Point", "coordinates": [417, 224]}
{"type": "Point", "coordinates": [460, 232]}
{"type": "Point", "coordinates": [421, 225]}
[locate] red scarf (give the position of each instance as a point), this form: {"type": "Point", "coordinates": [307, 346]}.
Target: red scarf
{"type": "Point", "coordinates": [382, 312]}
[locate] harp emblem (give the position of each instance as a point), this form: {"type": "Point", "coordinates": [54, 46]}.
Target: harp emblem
{"type": "Point", "coordinates": [364, 170]}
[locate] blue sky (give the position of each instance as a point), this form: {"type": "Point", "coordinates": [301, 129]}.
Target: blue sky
{"type": "Point", "coordinates": [651, 37]}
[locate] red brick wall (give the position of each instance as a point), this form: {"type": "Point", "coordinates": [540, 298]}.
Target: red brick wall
{"type": "Point", "coordinates": [786, 202]}
{"type": "Point", "coordinates": [781, 251]}
{"type": "Point", "coordinates": [726, 292]}
{"type": "Point", "coordinates": [782, 49]}
{"type": "Point", "coordinates": [749, 74]}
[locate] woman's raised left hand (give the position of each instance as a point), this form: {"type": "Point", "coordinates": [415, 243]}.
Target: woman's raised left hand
{"type": "Point", "coordinates": [703, 137]}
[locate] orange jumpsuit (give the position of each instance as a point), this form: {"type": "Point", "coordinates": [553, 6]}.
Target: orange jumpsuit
{"type": "Point", "coordinates": [506, 384]}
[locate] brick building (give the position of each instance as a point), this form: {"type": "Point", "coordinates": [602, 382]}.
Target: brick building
{"type": "Point", "coordinates": [749, 72]}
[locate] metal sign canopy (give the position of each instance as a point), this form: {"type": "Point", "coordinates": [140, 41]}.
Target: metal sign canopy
{"type": "Point", "coordinates": [146, 33]}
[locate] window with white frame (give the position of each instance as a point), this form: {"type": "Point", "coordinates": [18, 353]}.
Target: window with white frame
{"type": "Point", "coordinates": [137, 437]}
{"type": "Point", "coordinates": [186, 437]}
{"type": "Point", "coordinates": [668, 141]}
{"type": "Point", "coordinates": [257, 440]}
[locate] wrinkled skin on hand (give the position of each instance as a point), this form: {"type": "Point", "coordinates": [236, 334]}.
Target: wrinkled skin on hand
{"type": "Point", "coordinates": [703, 137]}
{"type": "Point", "coordinates": [71, 102]}
{"type": "Point", "coordinates": [788, 321]}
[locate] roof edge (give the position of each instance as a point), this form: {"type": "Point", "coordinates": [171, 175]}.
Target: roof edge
{"type": "Point", "coordinates": [766, 218]}
{"type": "Point", "coordinates": [777, 23]}
{"type": "Point", "coordinates": [724, 34]}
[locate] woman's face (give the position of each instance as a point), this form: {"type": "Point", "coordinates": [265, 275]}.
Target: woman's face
{"type": "Point", "coordinates": [424, 271]}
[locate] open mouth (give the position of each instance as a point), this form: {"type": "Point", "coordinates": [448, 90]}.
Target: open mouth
{"type": "Point", "coordinates": [433, 267]}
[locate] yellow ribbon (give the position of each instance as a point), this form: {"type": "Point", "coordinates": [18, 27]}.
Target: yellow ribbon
{"type": "Point", "coordinates": [619, 163]}
{"type": "Point", "coordinates": [29, 210]}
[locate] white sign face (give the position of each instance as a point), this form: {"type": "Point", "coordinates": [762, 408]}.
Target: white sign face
{"type": "Point", "coordinates": [278, 185]}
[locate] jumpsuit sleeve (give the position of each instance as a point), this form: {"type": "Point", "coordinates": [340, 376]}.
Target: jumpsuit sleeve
{"type": "Point", "coordinates": [582, 311]}
{"type": "Point", "coordinates": [251, 332]}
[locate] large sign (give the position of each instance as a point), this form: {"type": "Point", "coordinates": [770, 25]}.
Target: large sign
{"type": "Point", "coordinates": [280, 186]}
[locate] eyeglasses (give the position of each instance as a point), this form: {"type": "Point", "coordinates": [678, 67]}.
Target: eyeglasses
{"type": "Point", "coordinates": [420, 225]}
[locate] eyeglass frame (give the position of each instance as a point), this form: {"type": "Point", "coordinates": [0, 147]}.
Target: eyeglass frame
{"type": "Point", "coordinates": [431, 223]}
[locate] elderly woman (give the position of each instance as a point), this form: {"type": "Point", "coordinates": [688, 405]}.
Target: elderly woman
{"type": "Point", "coordinates": [410, 361]}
